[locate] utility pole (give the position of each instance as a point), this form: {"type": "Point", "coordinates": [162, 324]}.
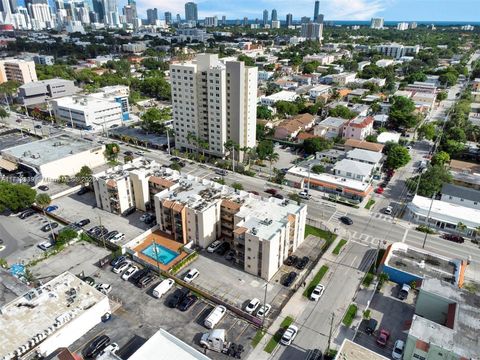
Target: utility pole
{"type": "Point", "coordinates": [330, 332]}
{"type": "Point", "coordinates": [264, 304]}
{"type": "Point", "coordinates": [154, 244]}
{"type": "Point", "coordinates": [309, 172]}
{"type": "Point", "coordinates": [103, 235]}
{"type": "Point", "coordinates": [428, 215]}
{"type": "Point", "coordinates": [168, 141]}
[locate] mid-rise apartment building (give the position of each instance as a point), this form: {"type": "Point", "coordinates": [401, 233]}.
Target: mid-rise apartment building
{"type": "Point", "coordinates": [398, 50]}
{"type": "Point", "coordinates": [213, 102]}
{"type": "Point", "coordinates": [261, 232]}
{"type": "Point", "coordinates": [312, 31]}
{"type": "Point", "coordinates": [21, 71]}
{"type": "Point", "coordinates": [131, 185]}
{"type": "Point", "coordinates": [376, 23]}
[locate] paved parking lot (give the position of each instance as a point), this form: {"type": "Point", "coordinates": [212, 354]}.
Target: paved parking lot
{"type": "Point", "coordinates": [21, 237]}
{"type": "Point", "coordinates": [77, 207]}
{"type": "Point", "coordinates": [392, 314]}
{"type": "Point", "coordinates": [141, 315]}
{"type": "Point", "coordinates": [286, 157]}
{"type": "Point", "coordinates": [81, 256]}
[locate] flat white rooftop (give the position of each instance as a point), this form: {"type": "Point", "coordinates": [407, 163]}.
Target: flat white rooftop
{"type": "Point", "coordinates": [86, 103]}
{"type": "Point", "coordinates": [47, 150]}
{"type": "Point", "coordinates": [282, 95]}
{"type": "Point", "coordinates": [445, 212]}
{"type": "Point", "coordinates": [331, 179]}
{"type": "Point", "coordinates": [164, 346]}
{"type": "Point", "coordinates": [44, 310]}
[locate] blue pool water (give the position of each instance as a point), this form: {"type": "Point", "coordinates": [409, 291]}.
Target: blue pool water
{"type": "Point", "coordinates": [160, 253]}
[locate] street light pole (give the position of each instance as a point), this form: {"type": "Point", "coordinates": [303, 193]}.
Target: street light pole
{"type": "Point", "coordinates": [264, 304]}
{"type": "Point", "coordinates": [309, 173]}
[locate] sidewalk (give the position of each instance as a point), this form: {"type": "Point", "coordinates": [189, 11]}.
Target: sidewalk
{"type": "Point", "coordinates": [294, 307]}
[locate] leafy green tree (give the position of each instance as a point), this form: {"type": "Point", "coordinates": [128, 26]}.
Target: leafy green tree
{"type": "Point", "coordinates": [371, 138]}
{"type": "Point", "coordinates": [15, 196]}
{"type": "Point", "coordinates": [440, 158]}
{"type": "Point", "coordinates": [318, 169]}
{"type": "Point", "coordinates": [263, 112]}
{"type": "Point", "coordinates": [64, 236]}
{"type": "Point", "coordinates": [310, 67]}
{"type": "Point", "coordinates": [342, 112]}
{"type": "Point", "coordinates": [111, 151]}
{"type": "Point", "coordinates": [84, 176]}
{"type": "Point", "coordinates": [175, 166]}
{"type": "Point", "coordinates": [237, 186]}
{"type": "Point", "coordinates": [449, 78]}
{"type": "Point", "coordinates": [442, 95]}
{"type": "Point", "coordinates": [316, 144]}
{"type": "Point", "coordinates": [397, 157]}
{"type": "Point", "coordinates": [426, 131]}
{"type": "Point", "coordinates": [247, 60]}
{"type": "Point", "coordinates": [401, 112]}
{"type": "Point", "coordinates": [264, 148]}
{"type": "Point", "coordinates": [3, 113]}
{"type": "Point", "coordinates": [286, 108]}
{"type": "Point", "coordinates": [431, 181]}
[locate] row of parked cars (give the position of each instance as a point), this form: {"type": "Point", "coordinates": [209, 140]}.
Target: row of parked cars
{"type": "Point", "coordinates": [103, 233]}
{"type": "Point", "coordinates": [254, 304]}
{"type": "Point", "coordinates": [382, 338]}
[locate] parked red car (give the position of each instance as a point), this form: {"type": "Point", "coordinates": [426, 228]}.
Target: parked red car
{"type": "Point", "coordinates": [271, 191]}
{"type": "Point", "coordinates": [383, 336]}
{"type": "Point", "coordinates": [379, 190]}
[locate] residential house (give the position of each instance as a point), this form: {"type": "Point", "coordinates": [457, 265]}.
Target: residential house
{"type": "Point", "coordinates": [330, 128]}
{"type": "Point", "coordinates": [460, 195]}
{"type": "Point", "coordinates": [271, 100]}
{"type": "Point", "coordinates": [366, 145]}
{"type": "Point", "coordinates": [366, 156]}
{"type": "Point", "coordinates": [319, 90]}
{"type": "Point", "coordinates": [358, 128]}
{"type": "Point", "coordinates": [465, 174]}
{"type": "Point", "coordinates": [352, 169]}
{"type": "Point", "coordinates": [289, 128]}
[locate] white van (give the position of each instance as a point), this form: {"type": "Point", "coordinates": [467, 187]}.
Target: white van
{"type": "Point", "coordinates": [162, 288]}
{"type": "Point", "coordinates": [215, 316]}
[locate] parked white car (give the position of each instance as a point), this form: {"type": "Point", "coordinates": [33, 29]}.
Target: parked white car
{"type": "Point", "coordinates": [129, 272]}
{"type": "Point", "coordinates": [388, 210]}
{"type": "Point", "coordinates": [289, 335]}
{"type": "Point", "coordinates": [104, 288]}
{"type": "Point", "coordinates": [397, 352]}
{"type": "Point", "coordinates": [110, 349]}
{"type": "Point", "coordinates": [118, 237]}
{"type": "Point", "coordinates": [45, 245]}
{"type": "Point", "coordinates": [264, 310]}
{"type": "Point", "coordinates": [304, 195]}
{"type": "Point", "coordinates": [317, 292]}
{"type": "Point", "coordinates": [214, 246]}
{"type": "Point", "coordinates": [121, 267]}
{"type": "Point", "coordinates": [191, 275]}
{"type": "Point", "coordinates": [252, 306]}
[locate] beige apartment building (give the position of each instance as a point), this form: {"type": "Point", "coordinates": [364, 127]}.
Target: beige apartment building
{"type": "Point", "coordinates": [212, 102]}
{"type": "Point", "coordinates": [262, 232]}
{"type": "Point", "coordinates": [22, 71]}
{"type": "Point", "coordinates": [131, 185]}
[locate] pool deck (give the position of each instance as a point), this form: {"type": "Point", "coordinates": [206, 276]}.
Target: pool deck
{"type": "Point", "coordinates": [164, 240]}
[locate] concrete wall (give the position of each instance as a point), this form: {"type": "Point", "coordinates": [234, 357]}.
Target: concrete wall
{"type": "Point", "coordinates": [398, 276]}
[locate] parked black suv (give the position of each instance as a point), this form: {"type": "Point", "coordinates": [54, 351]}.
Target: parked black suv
{"type": "Point", "coordinates": [129, 211]}
{"type": "Point", "coordinates": [371, 326]}
{"type": "Point", "coordinates": [300, 265]}
{"type": "Point", "coordinates": [97, 345]}
{"type": "Point", "coordinates": [145, 281]}
{"type": "Point", "coordinates": [223, 248]}
{"type": "Point", "coordinates": [187, 302]}
{"type": "Point", "coordinates": [177, 297]}
{"type": "Point", "coordinates": [139, 274]}
{"type": "Point", "coordinates": [290, 279]}
{"type": "Point", "coordinates": [83, 222]}
{"type": "Point", "coordinates": [291, 260]}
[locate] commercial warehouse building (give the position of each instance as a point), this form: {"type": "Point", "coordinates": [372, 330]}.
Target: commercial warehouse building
{"type": "Point", "coordinates": [51, 316]}
{"type": "Point", "coordinates": [47, 159]}
{"type": "Point", "coordinates": [40, 91]}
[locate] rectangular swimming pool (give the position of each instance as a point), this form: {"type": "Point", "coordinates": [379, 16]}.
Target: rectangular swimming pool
{"type": "Point", "coordinates": [160, 253]}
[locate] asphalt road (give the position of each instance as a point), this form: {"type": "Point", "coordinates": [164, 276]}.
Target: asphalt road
{"type": "Point", "coordinates": [341, 282]}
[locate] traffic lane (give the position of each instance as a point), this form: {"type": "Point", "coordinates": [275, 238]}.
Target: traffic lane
{"type": "Point", "coordinates": [8, 243]}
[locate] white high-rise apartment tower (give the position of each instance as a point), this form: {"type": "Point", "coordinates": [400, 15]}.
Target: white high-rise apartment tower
{"type": "Point", "coordinates": [214, 102]}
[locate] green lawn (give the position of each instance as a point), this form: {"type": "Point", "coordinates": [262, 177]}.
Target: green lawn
{"type": "Point", "coordinates": [315, 281]}
{"type": "Point", "coordinates": [272, 344]}
{"type": "Point", "coordinates": [337, 249]}
{"type": "Point", "coordinates": [258, 337]}
{"type": "Point", "coordinates": [328, 236]}
{"type": "Point", "coordinates": [369, 204]}
{"type": "Point", "coordinates": [350, 315]}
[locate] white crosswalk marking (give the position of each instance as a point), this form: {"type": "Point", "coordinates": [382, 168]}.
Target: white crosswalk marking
{"type": "Point", "coordinates": [336, 216]}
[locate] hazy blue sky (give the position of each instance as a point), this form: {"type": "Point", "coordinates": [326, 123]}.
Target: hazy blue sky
{"type": "Point", "coordinates": [435, 10]}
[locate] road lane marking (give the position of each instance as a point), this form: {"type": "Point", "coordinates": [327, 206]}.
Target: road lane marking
{"type": "Point", "coordinates": [405, 235]}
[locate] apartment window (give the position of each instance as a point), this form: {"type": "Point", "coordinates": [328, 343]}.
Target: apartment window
{"type": "Point", "coordinates": [349, 174]}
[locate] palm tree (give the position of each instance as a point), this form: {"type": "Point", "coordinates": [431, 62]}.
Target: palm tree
{"type": "Point", "coordinates": [232, 146]}
{"type": "Point", "coordinates": [204, 145]}
{"type": "Point", "coordinates": [461, 227]}
{"type": "Point", "coordinates": [245, 150]}
{"type": "Point", "coordinates": [272, 158]}
{"type": "Point", "coordinates": [43, 200]}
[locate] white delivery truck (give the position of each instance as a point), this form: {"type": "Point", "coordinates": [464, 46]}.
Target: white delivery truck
{"type": "Point", "coordinates": [216, 340]}
{"type": "Point", "coordinates": [162, 288]}
{"type": "Point", "coordinates": [215, 316]}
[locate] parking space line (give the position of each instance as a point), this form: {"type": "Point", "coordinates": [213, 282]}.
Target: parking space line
{"type": "Point", "coordinates": [200, 312]}
{"type": "Point", "coordinates": [241, 333]}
